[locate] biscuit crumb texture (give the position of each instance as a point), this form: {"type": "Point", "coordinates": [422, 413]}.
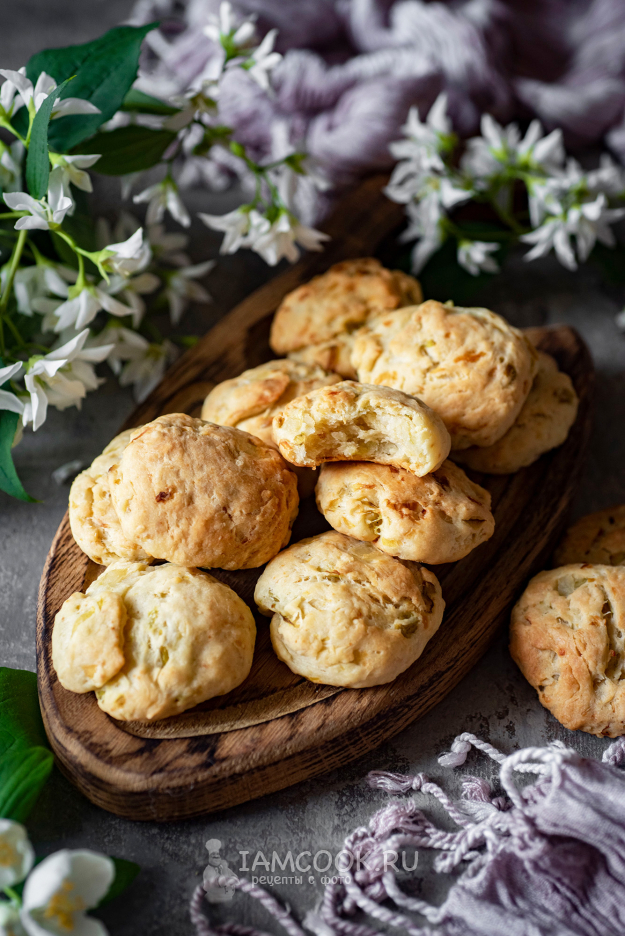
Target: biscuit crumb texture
{"type": "Point", "coordinates": [153, 640]}
{"type": "Point", "coordinates": [88, 639]}
{"type": "Point", "coordinates": [360, 422]}
{"type": "Point", "coordinates": [344, 613]}
{"type": "Point", "coordinates": [94, 523]}
{"type": "Point", "coordinates": [469, 365]}
{"type": "Point", "coordinates": [198, 494]}
{"type": "Point", "coordinates": [251, 400]}
{"type": "Point", "coordinates": [437, 518]}
{"type": "Point", "coordinates": [598, 537]}
{"type": "Point", "coordinates": [567, 635]}
{"type": "Point", "coordinates": [543, 424]}
{"type": "Point", "coordinates": [321, 315]}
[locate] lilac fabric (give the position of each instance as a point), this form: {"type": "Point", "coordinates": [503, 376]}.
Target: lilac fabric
{"type": "Point", "coordinates": [352, 69]}
{"type": "Point", "coordinates": [546, 859]}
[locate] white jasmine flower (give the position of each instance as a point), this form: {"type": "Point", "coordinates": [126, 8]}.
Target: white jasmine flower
{"type": "Point", "coordinates": [130, 290]}
{"type": "Point", "coordinates": [168, 246]}
{"type": "Point", "coordinates": [7, 97]}
{"type": "Point", "coordinates": [263, 60]}
{"type": "Point", "coordinates": [16, 853]}
{"type": "Point", "coordinates": [33, 97]}
{"type": "Point", "coordinates": [425, 226]}
{"type": "Point", "coordinates": [426, 140]}
{"type": "Point", "coordinates": [43, 214]}
{"type": "Point", "coordinates": [70, 169]}
{"type": "Point", "coordinates": [230, 30]}
{"type": "Point", "coordinates": [8, 401]}
{"type": "Point", "coordinates": [235, 225]}
{"type": "Point", "coordinates": [163, 197]}
{"type": "Point", "coordinates": [61, 888]}
{"type": "Point", "coordinates": [181, 288]}
{"type": "Point", "coordinates": [609, 178]}
{"type": "Point", "coordinates": [474, 256]}
{"type": "Point", "coordinates": [588, 223]}
{"type": "Point", "coordinates": [83, 306]}
{"type": "Point", "coordinates": [279, 239]}
{"type": "Point", "coordinates": [61, 378]}
{"type": "Point", "coordinates": [499, 147]}
{"type": "Point", "coordinates": [33, 282]}
{"type": "Point", "coordinates": [147, 365]}
{"type": "Point", "coordinates": [129, 256]}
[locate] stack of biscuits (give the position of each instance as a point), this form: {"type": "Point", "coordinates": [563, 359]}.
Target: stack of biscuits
{"type": "Point", "coordinates": [376, 389]}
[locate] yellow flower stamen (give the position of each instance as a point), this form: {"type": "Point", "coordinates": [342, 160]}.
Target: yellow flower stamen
{"type": "Point", "coordinates": [62, 907]}
{"type": "Point", "coordinates": [8, 855]}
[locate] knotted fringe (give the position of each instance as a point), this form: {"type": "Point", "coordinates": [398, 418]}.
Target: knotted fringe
{"type": "Point", "coordinates": [515, 831]}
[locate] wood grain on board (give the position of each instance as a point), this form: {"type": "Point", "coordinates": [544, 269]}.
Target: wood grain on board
{"type": "Point", "coordinates": [277, 729]}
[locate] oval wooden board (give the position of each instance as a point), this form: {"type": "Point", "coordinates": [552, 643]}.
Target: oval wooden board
{"type": "Point", "coordinates": [277, 729]}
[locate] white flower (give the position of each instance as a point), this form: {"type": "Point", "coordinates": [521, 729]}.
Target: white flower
{"type": "Point", "coordinates": [424, 144]}
{"type": "Point", "coordinates": [263, 60]}
{"type": "Point", "coordinates": [424, 225]}
{"type": "Point", "coordinates": [498, 147]}
{"type": "Point", "coordinates": [474, 256]}
{"type": "Point", "coordinates": [130, 290]}
{"type": "Point", "coordinates": [16, 853]}
{"type": "Point", "coordinates": [33, 282]}
{"type": "Point", "coordinates": [280, 238]}
{"type": "Point", "coordinates": [587, 222]}
{"type": "Point", "coordinates": [129, 256]}
{"type": "Point", "coordinates": [70, 169]}
{"type": "Point", "coordinates": [161, 197]}
{"type": "Point", "coordinates": [230, 30]}
{"type": "Point", "coordinates": [42, 213]}
{"type": "Point", "coordinates": [609, 178]}
{"type": "Point", "coordinates": [181, 290]}
{"type": "Point", "coordinates": [33, 97]}
{"type": "Point", "coordinates": [8, 401]}
{"type": "Point", "coordinates": [168, 246]}
{"type": "Point", "coordinates": [81, 309]}
{"type": "Point", "coordinates": [61, 888]}
{"type": "Point", "coordinates": [147, 365]}
{"type": "Point", "coordinates": [10, 924]}
{"type": "Point", "coordinates": [61, 378]}
{"type": "Point", "coordinates": [235, 225]}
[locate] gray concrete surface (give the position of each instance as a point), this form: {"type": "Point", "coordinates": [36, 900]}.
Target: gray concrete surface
{"type": "Point", "coordinates": [493, 701]}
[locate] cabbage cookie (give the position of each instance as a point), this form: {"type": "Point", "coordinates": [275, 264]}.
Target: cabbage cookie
{"type": "Point", "coordinates": [567, 635]}
{"type": "Point", "coordinates": [597, 537]}
{"type": "Point", "coordinates": [345, 614]}
{"type": "Point", "coordinates": [469, 365]}
{"type": "Point", "coordinates": [438, 518]}
{"type": "Point", "coordinates": [543, 424]}
{"type": "Point", "coordinates": [360, 422]}
{"type": "Point", "coordinates": [199, 494]}
{"type": "Point", "coordinates": [321, 315]}
{"type": "Point", "coordinates": [94, 523]}
{"type": "Point", "coordinates": [153, 641]}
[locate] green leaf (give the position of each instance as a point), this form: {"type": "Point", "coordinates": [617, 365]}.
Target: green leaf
{"type": "Point", "coordinates": [125, 873]}
{"type": "Point", "coordinates": [138, 102]}
{"type": "Point", "coordinates": [105, 70]}
{"type": "Point", "coordinates": [9, 481]}
{"type": "Point", "coordinates": [128, 149]}
{"type": "Point", "coordinates": [21, 724]}
{"type": "Point", "coordinates": [38, 159]}
{"type": "Point", "coordinates": [25, 757]}
{"type": "Point", "coordinates": [22, 777]}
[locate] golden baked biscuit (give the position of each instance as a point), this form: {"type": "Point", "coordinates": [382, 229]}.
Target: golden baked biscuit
{"type": "Point", "coordinates": [323, 312]}
{"type": "Point", "coordinates": [185, 638]}
{"type": "Point", "coordinates": [251, 400]}
{"type": "Point", "coordinates": [88, 640]}
{"type": "Point", "coordinates": [438, 518]}
{"type": "Point", "coordinates": [199, 494]}
{"type": "Point", "coordinates": [567, 635]}
{"type": "Point", "coordinates": [359, 422]}
{"type": "Point", "coordinates": [334, 355]}
{"type": "Point", "coordinates": [597, 537]}
{"type": "Point", "coordinates": [346, 614]}
{"type": "Point", "coordinates": [469, 365]}
{"type": "Point", "coordinates": [95, 525]}
{"type": "Point", "coordinates": [543, 424]}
